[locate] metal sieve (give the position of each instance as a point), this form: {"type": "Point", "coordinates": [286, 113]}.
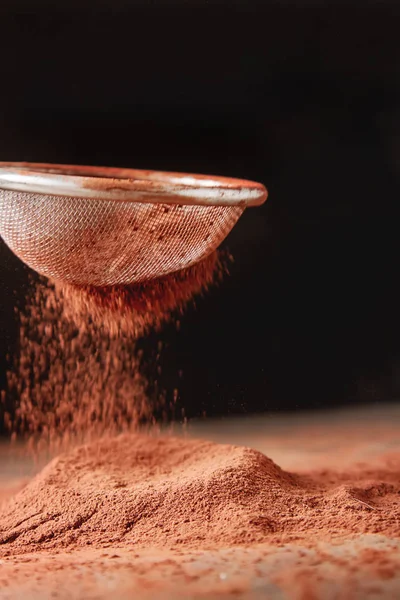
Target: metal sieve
{"type": "Point", "coordinates": [106, 226]}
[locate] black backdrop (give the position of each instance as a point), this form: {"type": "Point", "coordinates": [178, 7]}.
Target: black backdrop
{"type": "Point", "coordinates": [303, 97]}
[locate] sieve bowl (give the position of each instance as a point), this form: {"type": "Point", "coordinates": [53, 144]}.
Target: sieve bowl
{"type": "Point", "coordinates": [106, 226]}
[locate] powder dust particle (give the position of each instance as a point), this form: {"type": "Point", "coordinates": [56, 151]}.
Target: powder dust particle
{"type": "Point", "coordinates": [155, 491]}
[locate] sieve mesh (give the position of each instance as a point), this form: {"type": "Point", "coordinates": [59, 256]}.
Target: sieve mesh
{"type": "Point", "coordinates": [105, 242]}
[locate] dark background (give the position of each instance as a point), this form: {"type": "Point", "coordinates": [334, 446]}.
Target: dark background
{"type": "Point", "coordinates": [302, 96]}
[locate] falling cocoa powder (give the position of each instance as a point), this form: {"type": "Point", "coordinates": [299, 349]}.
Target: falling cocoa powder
{"type": "Point", "coordinates": [134, 309]}
{"type": "Point", "coordinates": [76, 376]}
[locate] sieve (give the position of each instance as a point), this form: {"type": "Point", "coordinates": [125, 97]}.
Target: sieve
{"type": "Point", "coordinates": [106, 226]}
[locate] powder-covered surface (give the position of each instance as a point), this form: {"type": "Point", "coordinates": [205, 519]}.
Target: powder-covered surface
{"type": "Point", "coordinates": [367, 568]}
{"type": "Point", "coordinates": [165, 517]}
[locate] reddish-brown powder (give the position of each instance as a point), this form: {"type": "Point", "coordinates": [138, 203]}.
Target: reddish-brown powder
{"type": "Point", "coordinates": [134, 309]}
{"type": "Point", "coordinates": [77, 374]}
{"type": "Point", "coordinates": [77, 380]}
{"type": "Point", "coordinates": [167, 492]}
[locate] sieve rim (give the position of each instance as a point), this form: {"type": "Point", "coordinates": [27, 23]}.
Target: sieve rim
{"type": "Point", "coordinates": [130, 185]}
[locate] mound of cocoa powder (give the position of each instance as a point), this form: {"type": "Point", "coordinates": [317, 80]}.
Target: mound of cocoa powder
{"type": "Point", "coordinates": [159, 491]}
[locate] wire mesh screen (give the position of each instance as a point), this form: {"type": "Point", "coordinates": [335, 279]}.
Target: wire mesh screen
{"type": "Point", "coordinates": [103, 242]}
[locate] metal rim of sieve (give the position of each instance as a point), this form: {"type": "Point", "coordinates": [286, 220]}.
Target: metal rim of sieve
{"type": "Point", "coordinates": [130, 185]}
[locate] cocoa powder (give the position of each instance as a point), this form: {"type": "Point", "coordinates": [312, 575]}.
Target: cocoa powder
{"type": "Point", "coordinates": [136, 490]}
{"type": "Point", "coordinates": [77, 375]}
{"type": "Point", "coordinates": [134, 309]}
{"type": "Point", "coordinates": [77, 380]}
